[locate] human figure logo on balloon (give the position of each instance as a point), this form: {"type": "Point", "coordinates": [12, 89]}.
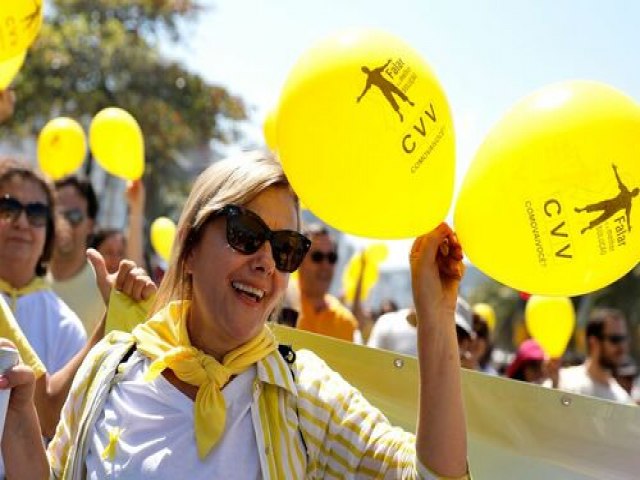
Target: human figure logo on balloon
{"type": "Point", "coordinates": [399, 70]}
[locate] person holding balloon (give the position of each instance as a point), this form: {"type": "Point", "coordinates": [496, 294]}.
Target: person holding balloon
{"type": "Point", "coordinates": [113, 244]}
{"type": "Point", "coordinates": [207, 348]}
{"type": "Point", "coordinates": [7, 103]}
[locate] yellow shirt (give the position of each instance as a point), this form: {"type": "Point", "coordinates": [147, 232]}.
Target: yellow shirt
{"type": "Point", "coordinates": [10, 330]}
{"type": "Point", "coordinates": [335, 321]}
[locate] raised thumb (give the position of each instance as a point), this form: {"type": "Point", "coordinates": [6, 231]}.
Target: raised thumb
{"type": "Point", "coordinates": [102, 275]}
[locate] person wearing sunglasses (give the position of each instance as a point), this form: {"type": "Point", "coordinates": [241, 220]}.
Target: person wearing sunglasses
{"type": "Point", "coordinates": [321, 312]}
{"type": "Point", "coordinates": [26, 241]}
{"type": "Point", "coordinates": [607, 347]}
{"type": "Point", "coordinates": [71, 275]}
{"type": "Point", "coordinates": [202, 389]}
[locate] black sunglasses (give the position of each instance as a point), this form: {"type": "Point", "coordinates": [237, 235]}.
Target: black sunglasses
{"type": "Point", "coordinates": [74, 216]}
{"type": "Point", "coordinates": [318, 257]}
{"type": "Point", "coordinates": [37, 212]}
{"type": "Point", "coordinates": [247, 232]}
{"type": "Point", "coordinates": [614, 339]}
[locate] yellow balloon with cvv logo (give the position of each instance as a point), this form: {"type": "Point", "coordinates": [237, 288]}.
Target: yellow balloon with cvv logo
{"type": "Point", "coordinates": [365, 135]}
{"type": "Point", "coordinates": [20, 22]}
{"type": "Point", "coordinates": [550, 204]}
{"type": "Point", "coordinates": [62, 147]}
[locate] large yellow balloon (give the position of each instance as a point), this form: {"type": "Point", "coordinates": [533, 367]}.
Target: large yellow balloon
{"type": "Point", "coordinates": [365, 136]}
{"type": "Point", "coordinates": [62, 147]}
{"type": "Point", "coordinates": [163, 232]}
{"type": "Point", "coordinates": [20, 22]}
{"type": "Point", "coordinates": [116, 142]}
{"type": "Point", "coordinates": [9, 68]}
{"type": "Point", "coordinates": [487, 313]}
{"type": "Point", "coordinates": [269, 130]}
{"type": "Point", "coordinates": [549, 204]}
{"type": "Point", "coordinates": [550, 321]}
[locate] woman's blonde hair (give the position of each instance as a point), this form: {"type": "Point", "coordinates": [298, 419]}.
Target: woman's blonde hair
{"type": "Point", "coordinates": [236, 180]}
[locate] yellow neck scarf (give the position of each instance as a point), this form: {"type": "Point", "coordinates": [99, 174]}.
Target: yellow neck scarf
{"type": "Point", "coordinates": [165, 340]}
{"type": "Point", "coordinates": [33, 286]}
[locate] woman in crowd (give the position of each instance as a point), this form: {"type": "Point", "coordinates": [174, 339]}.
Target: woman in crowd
{"type": "Point", "coordinates": [55, 341]}
{"type": "Point", "coordinates": [528, 364]}
{"type": "Point", "coordinates": [27, 234]}
{"type": "Point", "coordinates": [202, 389]}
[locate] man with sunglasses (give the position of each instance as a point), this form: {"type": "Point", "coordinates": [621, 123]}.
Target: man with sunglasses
{"type": "Point", "coordinates": [607, 346]}
{"type": "Point", "coordinates": [321, 312]}
{"type": "Point", "coordinates": [71, 275]}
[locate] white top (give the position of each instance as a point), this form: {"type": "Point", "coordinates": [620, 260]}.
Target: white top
{"type": "Point", "coordinates": [577, 380]}
{"type": "Point", "coordinates": [393, 332]}
{"type": "Point", "coordinates": [156, 435]}
{"type": "Point", "coordinates": [51, 327]}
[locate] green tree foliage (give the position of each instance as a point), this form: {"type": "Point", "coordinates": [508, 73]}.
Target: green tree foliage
{"type": "Point", "coordinates": [93, 54]}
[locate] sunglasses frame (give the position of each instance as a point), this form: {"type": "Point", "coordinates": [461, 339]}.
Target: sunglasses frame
{"type": "Point", "coordinates": [28, 209]}
{"type": "Point", "coordinates": [234, 213]}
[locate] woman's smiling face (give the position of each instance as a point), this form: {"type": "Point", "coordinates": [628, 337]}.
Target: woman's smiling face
{"type": "Point", "coordinates": [234, 293]}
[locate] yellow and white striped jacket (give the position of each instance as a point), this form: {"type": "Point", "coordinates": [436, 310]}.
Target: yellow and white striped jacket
{"type": "Point", "coordinates": [322, 426]}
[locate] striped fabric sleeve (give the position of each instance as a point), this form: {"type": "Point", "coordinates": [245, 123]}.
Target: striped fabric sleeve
{"type": "Point", "coordinates": [63, 443]}
{"type": "Point", "coordinates": [346, 436]}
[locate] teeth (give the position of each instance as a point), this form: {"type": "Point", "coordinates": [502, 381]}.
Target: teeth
{"type": "Point", "coordinates": [254, 292]}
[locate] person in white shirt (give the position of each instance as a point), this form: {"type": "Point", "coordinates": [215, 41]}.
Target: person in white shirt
{"type": "Point", "coordinates": [27, 233]}
{"type": "Point", "coordinates": [607, 346]}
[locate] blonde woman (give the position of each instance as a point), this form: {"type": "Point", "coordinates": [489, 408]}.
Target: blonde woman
{"type": "Point", "coordinates": [201, 390]}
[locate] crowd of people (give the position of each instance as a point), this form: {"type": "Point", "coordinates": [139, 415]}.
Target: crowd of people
{"type": "Point", "coordinates": [201, 386]}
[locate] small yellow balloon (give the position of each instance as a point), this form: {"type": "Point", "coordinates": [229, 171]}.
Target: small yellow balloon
{"type": "Point", "coordinates": [550, 321]}
{"type": "Point", "coordinates": [20, 22]}
{"type": "Point", "coordinates": [117, 144]}
{"type": "Point", "coordinates": [377, 253]}
{"type": "Point", "coordinates": [62, 147]}
{"type": "Point", "coordinates": [550, 203]}
{"type": "Point", "coordinates": [9, 68]}
{"type": "Point", "coordinates": [487, 313]}
{"type": "Point", "coordinates": [362, 113]}
{"type": "Point", "coordinates": [269, 130]}
{"type": "Point", "coordinates": [163, 232]}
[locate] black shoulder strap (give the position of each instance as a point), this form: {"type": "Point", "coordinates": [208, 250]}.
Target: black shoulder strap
{"type": "Point", "coordinates": [290, 357]}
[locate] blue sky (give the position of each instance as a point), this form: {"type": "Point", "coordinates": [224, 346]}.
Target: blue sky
{"type": "Point", "coordinates": [487, 54]}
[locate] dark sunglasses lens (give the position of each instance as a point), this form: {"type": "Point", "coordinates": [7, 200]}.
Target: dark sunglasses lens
{"type": "Point", "coordinates": [37, 214]}
{"type": "Point", "coordinates": [289, 249]}
{"type": "Point", "coordinates": [617, 339]}
{"type": "Point", "coordinates": [74, 216]}
{"type": "Point", "coordinates": [318, 257]}
{"type": "Point", "coordinates": [10, 209]}
{"type": "Point", "coordinates": [245, 232]}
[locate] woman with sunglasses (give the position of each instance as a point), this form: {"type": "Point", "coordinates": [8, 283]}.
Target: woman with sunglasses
{"type": "Point", "coordinates": [202, 390]}
{"type": "Point", "coordinates": [26, 242]}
